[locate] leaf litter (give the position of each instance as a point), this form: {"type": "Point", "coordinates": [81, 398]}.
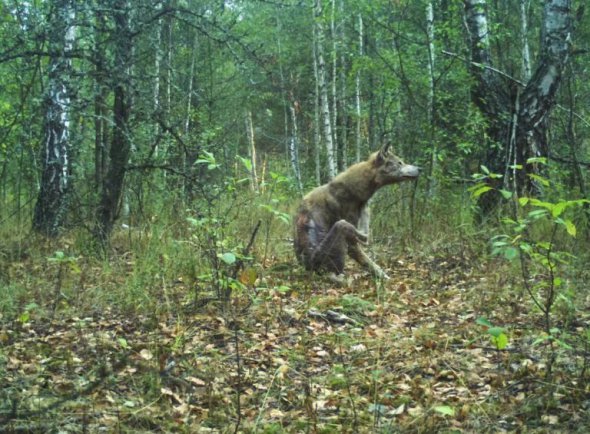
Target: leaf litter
{"type": "Point", "coordinates": [407, 355]}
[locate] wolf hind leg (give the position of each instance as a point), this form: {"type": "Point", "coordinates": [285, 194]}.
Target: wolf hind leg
{"type": "Point", "coordinates": [331, 252]}
{"type": "Point", "coordinates": [358, 254]}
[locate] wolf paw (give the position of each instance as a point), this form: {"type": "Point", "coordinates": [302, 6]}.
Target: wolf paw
{"type": "Point", "coordinates": [338, 279]}
{"type": "Point", "coordinates": [380, 274]}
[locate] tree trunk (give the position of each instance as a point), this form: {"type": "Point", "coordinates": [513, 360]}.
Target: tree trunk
{"type": "Point", "coordinates": [538, 96]}
{"type": "Point", "coordinates": [294, 148]}
{"type": "Point", "coordinates": [524, 30]}
{"type": "Point", "coordinates": [342, 99]}
{"type": "Point", "coordinates": [517, 118]}
{"type": "Point", "coordinates": [100, 100]}
{"type": "Point", "coordinates": [334, 114]}
{"type": "Point", "coordinates": [359, 119]}
{"type": "Point", "coordinates": [157, 79]}
{"type": "Point", "coordinates": [112, 188]}
{"type": "Point", "coordinates": [316, 112]}
{"type": "Point", "coordinates": [251, 151]}
{"type": "Point", "coordinates": [52, 201]}
{"type": "Point", "coordinates": [323, 88]}
{"type": "Point", "coordinates": [431, 99]}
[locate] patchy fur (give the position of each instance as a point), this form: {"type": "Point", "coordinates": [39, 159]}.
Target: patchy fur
{"type": "Point", "coordinates": [327, 219]}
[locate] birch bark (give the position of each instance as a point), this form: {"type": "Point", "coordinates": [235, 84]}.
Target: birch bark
{"type": "Point", "coordinates": [52, 201]}
{"type": "Point", "coordinates": [323, 90]}
{"type": "Point", "coordinates": [519, 117]}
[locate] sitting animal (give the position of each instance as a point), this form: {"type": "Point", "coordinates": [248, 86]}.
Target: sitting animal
{"type": "Point", "coordinates": [327, 219]}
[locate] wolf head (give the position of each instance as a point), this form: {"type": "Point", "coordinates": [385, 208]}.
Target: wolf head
{"type": "Point", "coordinates": [390, 168]}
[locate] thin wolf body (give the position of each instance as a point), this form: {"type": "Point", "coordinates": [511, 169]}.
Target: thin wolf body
{"type": "Point", "coordinates": [327, 219]}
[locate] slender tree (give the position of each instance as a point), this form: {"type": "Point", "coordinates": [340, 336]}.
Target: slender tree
{"type": "Point", "coordinates": [52, 201]}
{"type": "Point", "coordinates": [101, 93]}
{"type": "Point", "coordinates": [251, 150]}
{"type": "Point", "coordinates": [357, 93]}
{"type": "Point", "coordinates": [112, 188]}
{"type": "Point", "coordinates": [431, 96]}
{"type": "Point", "coordinates": [294, 147]}
{"type": "Point", "coordinates": [323, 89]}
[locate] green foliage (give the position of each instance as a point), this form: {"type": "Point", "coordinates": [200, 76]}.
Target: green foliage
{"type": "Point", "coordinates": [533, 236]}
{"type": "Point", "coordinates": [498, 336]}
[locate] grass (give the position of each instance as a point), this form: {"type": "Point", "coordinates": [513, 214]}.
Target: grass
{"type": "Point", "coordinates": [142, 342]}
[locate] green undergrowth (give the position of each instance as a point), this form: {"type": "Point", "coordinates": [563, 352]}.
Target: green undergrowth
{"type": "Point", "coordinates": [183, 325]}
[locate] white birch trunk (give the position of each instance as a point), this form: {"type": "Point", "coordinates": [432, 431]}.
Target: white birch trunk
{"type": "Point", "coordinates": [316, 111]}
{"type": "Point", "coordinates": [342, 100]}
{"type": "Point", "coordinates": [191, 84]}
{"type": "Point", "coordinates": [294, 148]}
{"type": "Point", "coordinates": [252, 151]}
{"type": "Point", "coordinates": [323, 89]}
{"type": "Point", "coordinates": [524, 29]}
{"type": "Point", "coordinates": [52, 202]}
{"type": "Point", "coordinates": [157, 72]}
{"type": "Point", "coordinates": [358, 94]}
{"type": "Point", "coordinates": [431, 95]}
{"type": "Point", "coordinates": [334, 117]}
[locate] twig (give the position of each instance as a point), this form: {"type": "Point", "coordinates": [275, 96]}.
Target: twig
{"type": "Point", "coordinates": [482, 66]}
{"type": "Point", "coordinates": [240, 263]}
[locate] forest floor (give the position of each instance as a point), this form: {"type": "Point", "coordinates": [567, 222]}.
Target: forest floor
{"type": "Point", "coordinates": [291, 353]}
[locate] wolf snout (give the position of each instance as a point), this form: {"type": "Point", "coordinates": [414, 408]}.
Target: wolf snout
{"type": "Point", "coordinates": [410, 171]}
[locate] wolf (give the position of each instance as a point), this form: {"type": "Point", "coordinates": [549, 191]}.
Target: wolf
{"type": "Point", "coordinates": [327, 218]}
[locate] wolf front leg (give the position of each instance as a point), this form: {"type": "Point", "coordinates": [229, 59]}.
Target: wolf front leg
{"type": "Point", "coordinates": [358, 254]}
{"type": "Point", "coordinates": [330, 254]}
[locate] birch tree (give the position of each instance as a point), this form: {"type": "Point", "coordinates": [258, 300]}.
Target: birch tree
{"type": "Point", "coordinates": [323, 89]}
{"type": "Point", "coordinates": [431, 96]}
{"type": "Point", "coordinates": [517, 115]}
{"type": "Point", "coordinates": [52, 201]}
{"type": "Point", "coordinates": [251, 150]}
{"type": "Point", "coordinates": [294, 147]}
{"type": "Point", "coordinates": [357, 93]}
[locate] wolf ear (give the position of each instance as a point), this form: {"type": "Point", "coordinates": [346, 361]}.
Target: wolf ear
{"type": "Point", "coordinates": [383, 153]}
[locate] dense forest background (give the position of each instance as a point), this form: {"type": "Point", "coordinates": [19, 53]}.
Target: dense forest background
{"type": "Point", "coordinates": [152, 154]}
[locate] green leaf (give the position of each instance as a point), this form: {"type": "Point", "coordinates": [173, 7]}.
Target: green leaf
{"type": "Point", "coordinates": [245, 162]}
{"type": "Point", "coordinates": [563, 344]}
{"type": "Point", "coordinates": [495, 331]}
{"type": "Point", "coordinates": [540, 179]}
{"type": "Point", "coordinates": [229, 258]}
{"type": "Point", "coordinates": [506, 194]}
{"type": "Point", "coordinates": [483, 321]}
{"type": "Point", "coordinates": [445, 409]}
{"type": "Point", "coordinates": [539, 160]}
{"type": "Point", "coordinates": [558, 209]}
{"type": "Point", "coordinates": [480, 190]}
{"type": "Point", "coordinates": [511, 253]}
{"type": "Point", "coordinates": [500, 341]}
{"type": "Point", "coordinates": [523, 201]}
{"type": "Point", "coordinates": [570, 227]}
{"type": "Point", "coordinates": [283, 289]}
{"type": "Point", "coordinates": [537, 214]}
{"type": "Point", "coordinates": [24, 317]}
